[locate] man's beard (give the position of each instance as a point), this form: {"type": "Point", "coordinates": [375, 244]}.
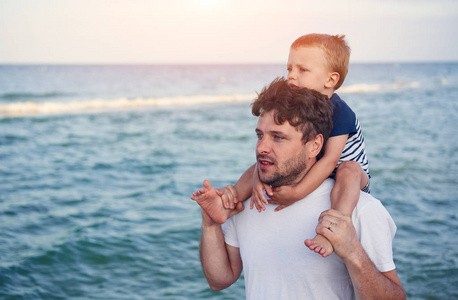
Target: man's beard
{"type": "Point", "coordinates": [289, 174]}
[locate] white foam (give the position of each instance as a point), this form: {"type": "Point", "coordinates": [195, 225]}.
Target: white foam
{"type": "Point", "coordinates": [36, 108]}
{"type": "Point", "coordinates": [365, 88]}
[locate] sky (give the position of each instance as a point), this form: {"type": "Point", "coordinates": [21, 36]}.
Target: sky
{"type": "Point", "coordinates": [221, 31]}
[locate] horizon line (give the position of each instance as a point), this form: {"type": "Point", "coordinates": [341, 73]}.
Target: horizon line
{"type": "Point", "coordinates": [206, 63]}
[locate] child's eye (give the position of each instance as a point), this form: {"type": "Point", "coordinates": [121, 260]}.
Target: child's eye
{"type": "Point", "coordinates": [289, 69]}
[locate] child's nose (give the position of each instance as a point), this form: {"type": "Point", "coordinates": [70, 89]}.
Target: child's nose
{"type": "Point", "coordinates": [291, 75]}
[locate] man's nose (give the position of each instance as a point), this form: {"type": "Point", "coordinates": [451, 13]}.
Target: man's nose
{"type": "Point", "coordinates": [263, 146]}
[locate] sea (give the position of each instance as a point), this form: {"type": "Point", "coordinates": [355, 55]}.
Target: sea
{"type": "Point", "coordinates": [98, 163]}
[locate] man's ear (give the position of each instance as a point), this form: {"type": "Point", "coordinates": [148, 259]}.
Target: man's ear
{"type": "Point", "coordinates": [333, 78]}
{"type": "Point", "coordinates": [315, 145]}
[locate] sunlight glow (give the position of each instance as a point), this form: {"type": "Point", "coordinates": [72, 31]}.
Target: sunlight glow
{"type": "Point", "coordinates": [207, 3]}
{"type": "Point", "coordinates": [220, 31]}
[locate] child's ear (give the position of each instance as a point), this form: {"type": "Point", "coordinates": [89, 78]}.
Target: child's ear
{"type": "Point", "coordinates": [333, 78]}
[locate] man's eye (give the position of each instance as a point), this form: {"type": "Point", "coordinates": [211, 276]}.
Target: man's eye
{"type": "Point", "coordinates": [277, 137]}
{"type": "Point", "coordinates": [289, 69]}
{"type": "Point", "coordinates": [259, 136]}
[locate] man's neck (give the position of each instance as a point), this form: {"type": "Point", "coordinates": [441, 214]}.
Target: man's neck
{"type": "Point", "coordinates": [301, 176]}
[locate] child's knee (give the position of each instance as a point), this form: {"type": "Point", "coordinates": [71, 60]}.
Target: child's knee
{"type": "Point", "coordinates": [349, 169]}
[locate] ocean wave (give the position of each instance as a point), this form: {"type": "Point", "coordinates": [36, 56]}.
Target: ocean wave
{"type": "Point", "coordinates": [15, 96]}
{"type": "Point", "coordinates": [37, 108]}
{"type": "Point", "coordinates": [25, 108]}
{"type": "Point", "coordinates": [365, 88]}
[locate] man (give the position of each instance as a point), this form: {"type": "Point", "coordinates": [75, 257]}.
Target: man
{"type": "Point", "coordinates": [292, 128]}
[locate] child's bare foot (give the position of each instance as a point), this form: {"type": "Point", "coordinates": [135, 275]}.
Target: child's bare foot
{"type": "Point", "coordinates": [320, 245]}
{"type": "Point", "coordinates": [211, 203]}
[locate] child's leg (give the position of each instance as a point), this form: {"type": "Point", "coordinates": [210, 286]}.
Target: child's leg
{"type": "Point", "coordinates": [350, 179]}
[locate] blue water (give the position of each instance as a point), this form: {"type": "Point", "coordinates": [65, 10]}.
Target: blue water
{"type": "Point", "coordinates": [94, 203]}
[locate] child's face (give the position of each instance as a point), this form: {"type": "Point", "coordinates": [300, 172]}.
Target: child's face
{"type": "Point", "coordinates": [307, 67]}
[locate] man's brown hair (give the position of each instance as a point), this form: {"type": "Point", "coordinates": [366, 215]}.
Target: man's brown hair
{"type": "Point", "coordinates": [308, 110]}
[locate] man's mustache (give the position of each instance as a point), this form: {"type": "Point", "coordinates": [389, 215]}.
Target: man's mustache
{"type": "Point", "coordinates": [265, 157]}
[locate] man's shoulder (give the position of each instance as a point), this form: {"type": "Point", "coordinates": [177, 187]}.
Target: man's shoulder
{"type": "Point", "coordinates": [369, 207]}
{"type": "Point", "coordinates": [324, 188]}
{"type": "Point", "coordinates": [367, 200]}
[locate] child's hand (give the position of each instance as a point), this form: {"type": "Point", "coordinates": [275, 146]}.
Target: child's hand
{"type": "Point", "coordinates": [257, 196]}
{"type": "Point", "coordinates": [282, 195]}
{"type": "Point", "coordinates": [228, 195]}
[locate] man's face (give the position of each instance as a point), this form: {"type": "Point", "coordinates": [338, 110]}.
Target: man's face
{"type": "Point", "coordinates": [280, 153]}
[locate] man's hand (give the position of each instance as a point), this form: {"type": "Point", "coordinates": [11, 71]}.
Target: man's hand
{"type": "Point", "coordinates": [369, 283]}
{"type": "Point", "coordinates": [212, 204]}
{"type": "Point", "coordinates": [228, 195]}
{"type": "Point", "coordinates": [339, 230]}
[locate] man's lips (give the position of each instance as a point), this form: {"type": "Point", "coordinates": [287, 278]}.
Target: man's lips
{"type": "Point", "coordinates": [265, 162]}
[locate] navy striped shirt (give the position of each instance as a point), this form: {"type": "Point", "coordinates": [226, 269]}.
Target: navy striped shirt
{"type": "Point", "coordinates": [345, 122]}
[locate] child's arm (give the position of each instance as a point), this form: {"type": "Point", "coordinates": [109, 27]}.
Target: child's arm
{"type": "Point", "coordinates": [244, 185]}
{"type": "Point", "coordinates": [258, 198]}
{"type": "Point", "coordinates": [247, 186]}
{"type": "Point", "coordinates": [232, 194]}
{"type": "Point", "coordinates": [321, 170]}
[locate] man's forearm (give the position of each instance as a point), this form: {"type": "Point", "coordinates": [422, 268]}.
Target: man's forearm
{"type": "Point", "coordinates": [368, 282]}
{"type": "Point", "coordinates": [214, 256]}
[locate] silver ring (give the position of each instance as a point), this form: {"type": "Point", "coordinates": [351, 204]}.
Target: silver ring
{"type": "Point", "coordinates": [329, 227]}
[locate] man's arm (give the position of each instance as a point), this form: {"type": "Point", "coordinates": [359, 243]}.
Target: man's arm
{"type": "Point", "coordinates": [221, 263]}
{"type": "Point", "coordinates": [369, 283]}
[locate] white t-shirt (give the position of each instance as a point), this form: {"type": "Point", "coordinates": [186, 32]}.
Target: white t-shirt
{"type": "Point", "coordinates": [277, 264]}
